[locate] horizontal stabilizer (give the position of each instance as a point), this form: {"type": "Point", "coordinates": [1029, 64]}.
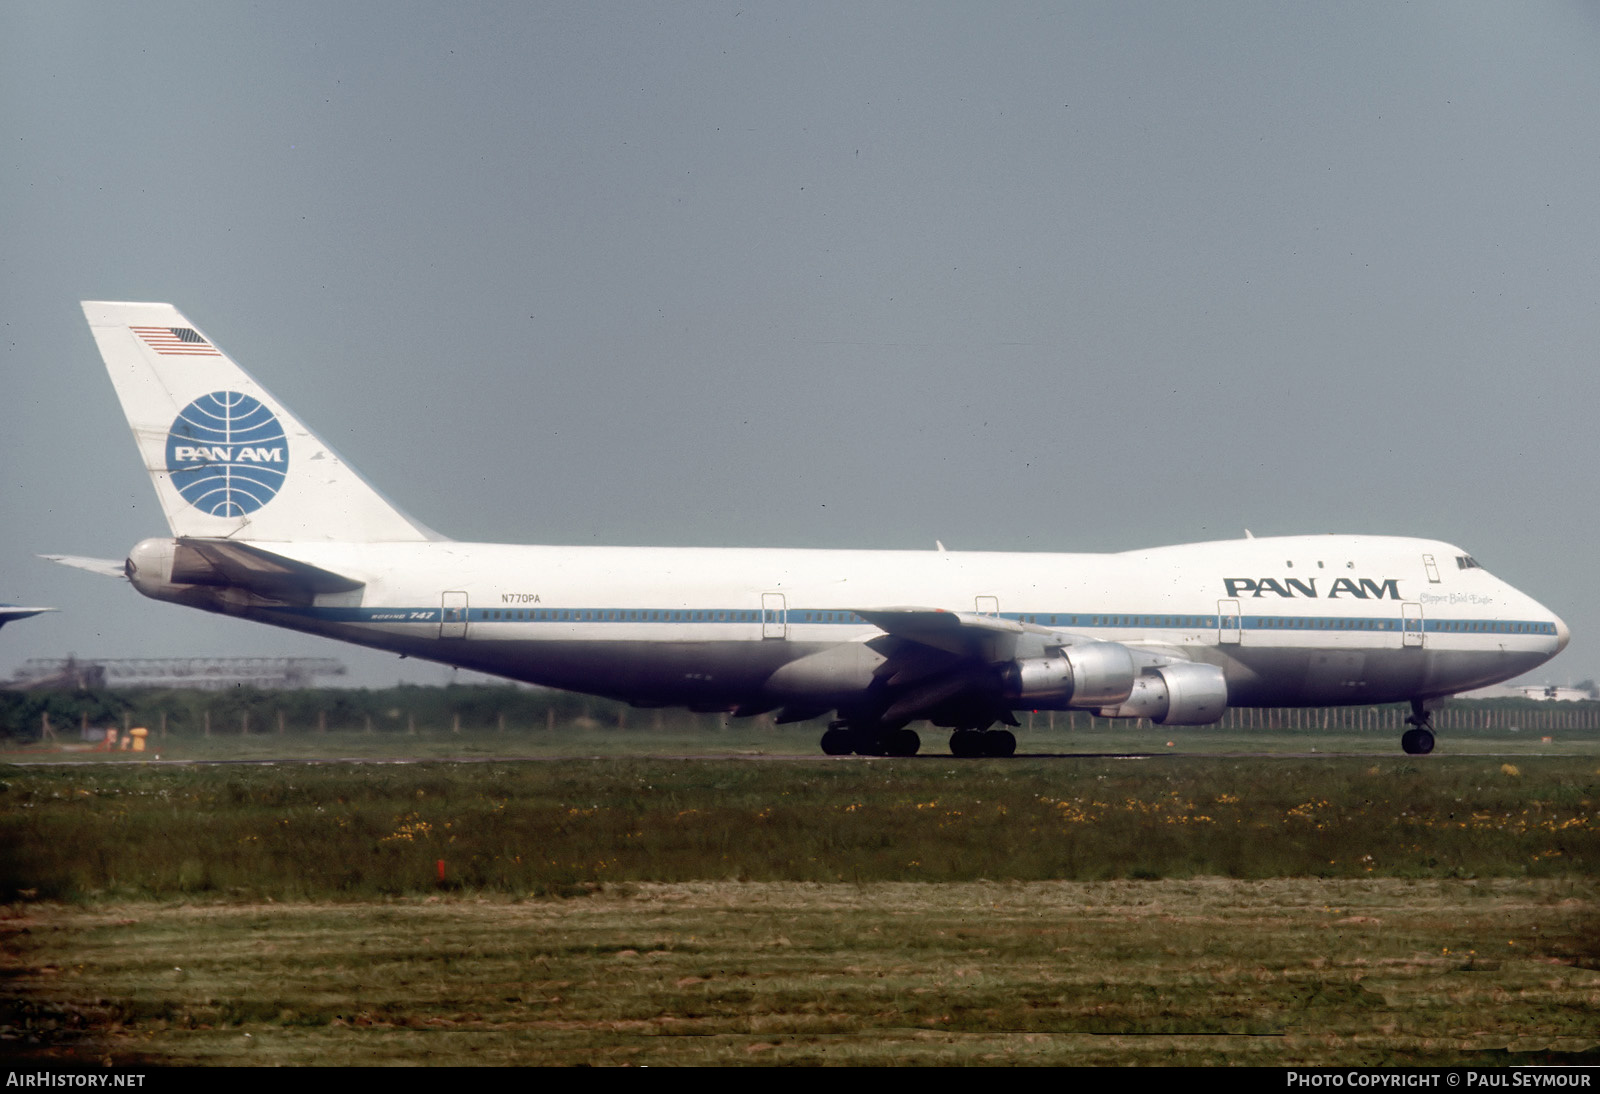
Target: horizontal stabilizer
{"type": "Point", "coordinates": [105, 567]}
{"type": "Point", "coordinates": [246, 566]}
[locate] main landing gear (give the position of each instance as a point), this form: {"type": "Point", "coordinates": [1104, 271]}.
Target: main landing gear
{"type": "Point", "coordinates": [1418, 740]}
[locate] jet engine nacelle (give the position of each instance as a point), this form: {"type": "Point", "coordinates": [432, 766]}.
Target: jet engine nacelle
{"type": "Point", "coordinates": [1092, 675]}
{"type": "Point", "coordinates": [1183, 694]}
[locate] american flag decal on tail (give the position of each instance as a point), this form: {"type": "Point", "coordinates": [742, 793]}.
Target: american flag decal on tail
{"type": "Point", "coordinates": [176, 341]}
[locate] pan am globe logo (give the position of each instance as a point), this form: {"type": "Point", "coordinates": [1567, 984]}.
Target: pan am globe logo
{"type": "Point", "coordinates": [227, 454]}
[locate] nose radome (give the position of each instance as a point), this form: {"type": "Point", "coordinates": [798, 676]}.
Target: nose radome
{"type": "Point", "coordinates": [1563, 635]}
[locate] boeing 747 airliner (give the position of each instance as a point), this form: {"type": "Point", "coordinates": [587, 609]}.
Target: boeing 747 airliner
{"type": "Point", "coordinates": [269, 524]}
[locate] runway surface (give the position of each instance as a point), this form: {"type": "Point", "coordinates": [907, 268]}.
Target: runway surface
{"type": "Point", "coordinates": [770, 758]}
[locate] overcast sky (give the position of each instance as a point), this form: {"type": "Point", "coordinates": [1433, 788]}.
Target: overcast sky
{"type": "Point", "coordinates": [1072, 276]}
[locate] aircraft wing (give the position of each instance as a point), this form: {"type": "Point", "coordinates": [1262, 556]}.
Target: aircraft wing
{"type": "Point", "coordinates": [966, 634]}
{"type": "Point", "coordinates": [937, 660]}
{"type": "Point", "coordinates": [996, 639]}
{"type": "Point", "coordinates": [10, 613]}
{"type": "Point", "coordinates": [933, 657]}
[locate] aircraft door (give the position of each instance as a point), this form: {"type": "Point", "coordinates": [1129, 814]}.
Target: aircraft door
{"type": "Point", "coordinates": [1411, 616]}
{"type": "Point", "coordinates": [453, 615]}
{"type": "Point", "coordinates": [987, 605]}
{"type": "Point", "coordinates": [774, 616]}
{"type": "Point", "coordinates": [1228, 630]}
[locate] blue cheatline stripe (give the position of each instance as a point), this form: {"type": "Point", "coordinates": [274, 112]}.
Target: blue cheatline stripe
{"type": "Point", "coordinates": [840, 617]}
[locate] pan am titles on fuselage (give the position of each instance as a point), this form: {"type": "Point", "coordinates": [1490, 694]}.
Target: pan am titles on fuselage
{"type": "Point", "coordinates": [268, 523]}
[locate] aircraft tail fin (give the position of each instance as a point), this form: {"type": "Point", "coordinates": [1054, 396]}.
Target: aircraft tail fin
{"type": "Point", "coordinates": [227, 459]}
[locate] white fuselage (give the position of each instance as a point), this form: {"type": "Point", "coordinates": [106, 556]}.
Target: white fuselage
{"type": "Point", "coordinates": [1306, 620]}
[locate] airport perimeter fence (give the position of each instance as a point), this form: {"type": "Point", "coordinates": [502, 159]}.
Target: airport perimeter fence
{"type": "Point", "coordinates": [245, 711]}
{"type": "Point", "coordinates": [1486, 715]}
{"type": "Point", "coordinates": [86, 714]}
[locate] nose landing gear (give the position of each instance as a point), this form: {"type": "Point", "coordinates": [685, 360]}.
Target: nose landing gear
{"type": "Point", "coordinates": [1418, 740]}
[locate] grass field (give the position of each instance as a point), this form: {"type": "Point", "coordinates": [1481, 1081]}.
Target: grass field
{"type": "Point", "coordinates": [1207, 971]}
{"type": "Point", "coordinates": [1179, 908]}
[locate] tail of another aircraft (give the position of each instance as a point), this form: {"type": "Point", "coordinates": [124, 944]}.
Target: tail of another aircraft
{"type": "Point", "coordinates": [228, 460]}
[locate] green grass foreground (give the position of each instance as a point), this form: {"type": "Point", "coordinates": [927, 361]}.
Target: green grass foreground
{"type": "Point", "coordinates": [356, 832]}
{"type": "Point", "coordinates": [1201, 972]}
{"type": "Point", "coordinates": [1172, 909]}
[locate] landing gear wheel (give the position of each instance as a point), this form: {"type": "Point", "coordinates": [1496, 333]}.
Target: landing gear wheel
{"type": "Point", "coordinates": [1000, 742]}
{"type": "Point", "coordinates": [1417, 742]}
{"type": "Point", "coordinates": [838, 742]}
{"type": "Point", "coordinates": [902, 742]}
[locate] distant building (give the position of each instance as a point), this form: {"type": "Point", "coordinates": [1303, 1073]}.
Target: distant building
{"type": "Point", "coordinates": [213, 673]}
{"type": "Point", "coordinates": [1560, 695]}
{"type": "Point", "coordinates": [1543, 692]}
